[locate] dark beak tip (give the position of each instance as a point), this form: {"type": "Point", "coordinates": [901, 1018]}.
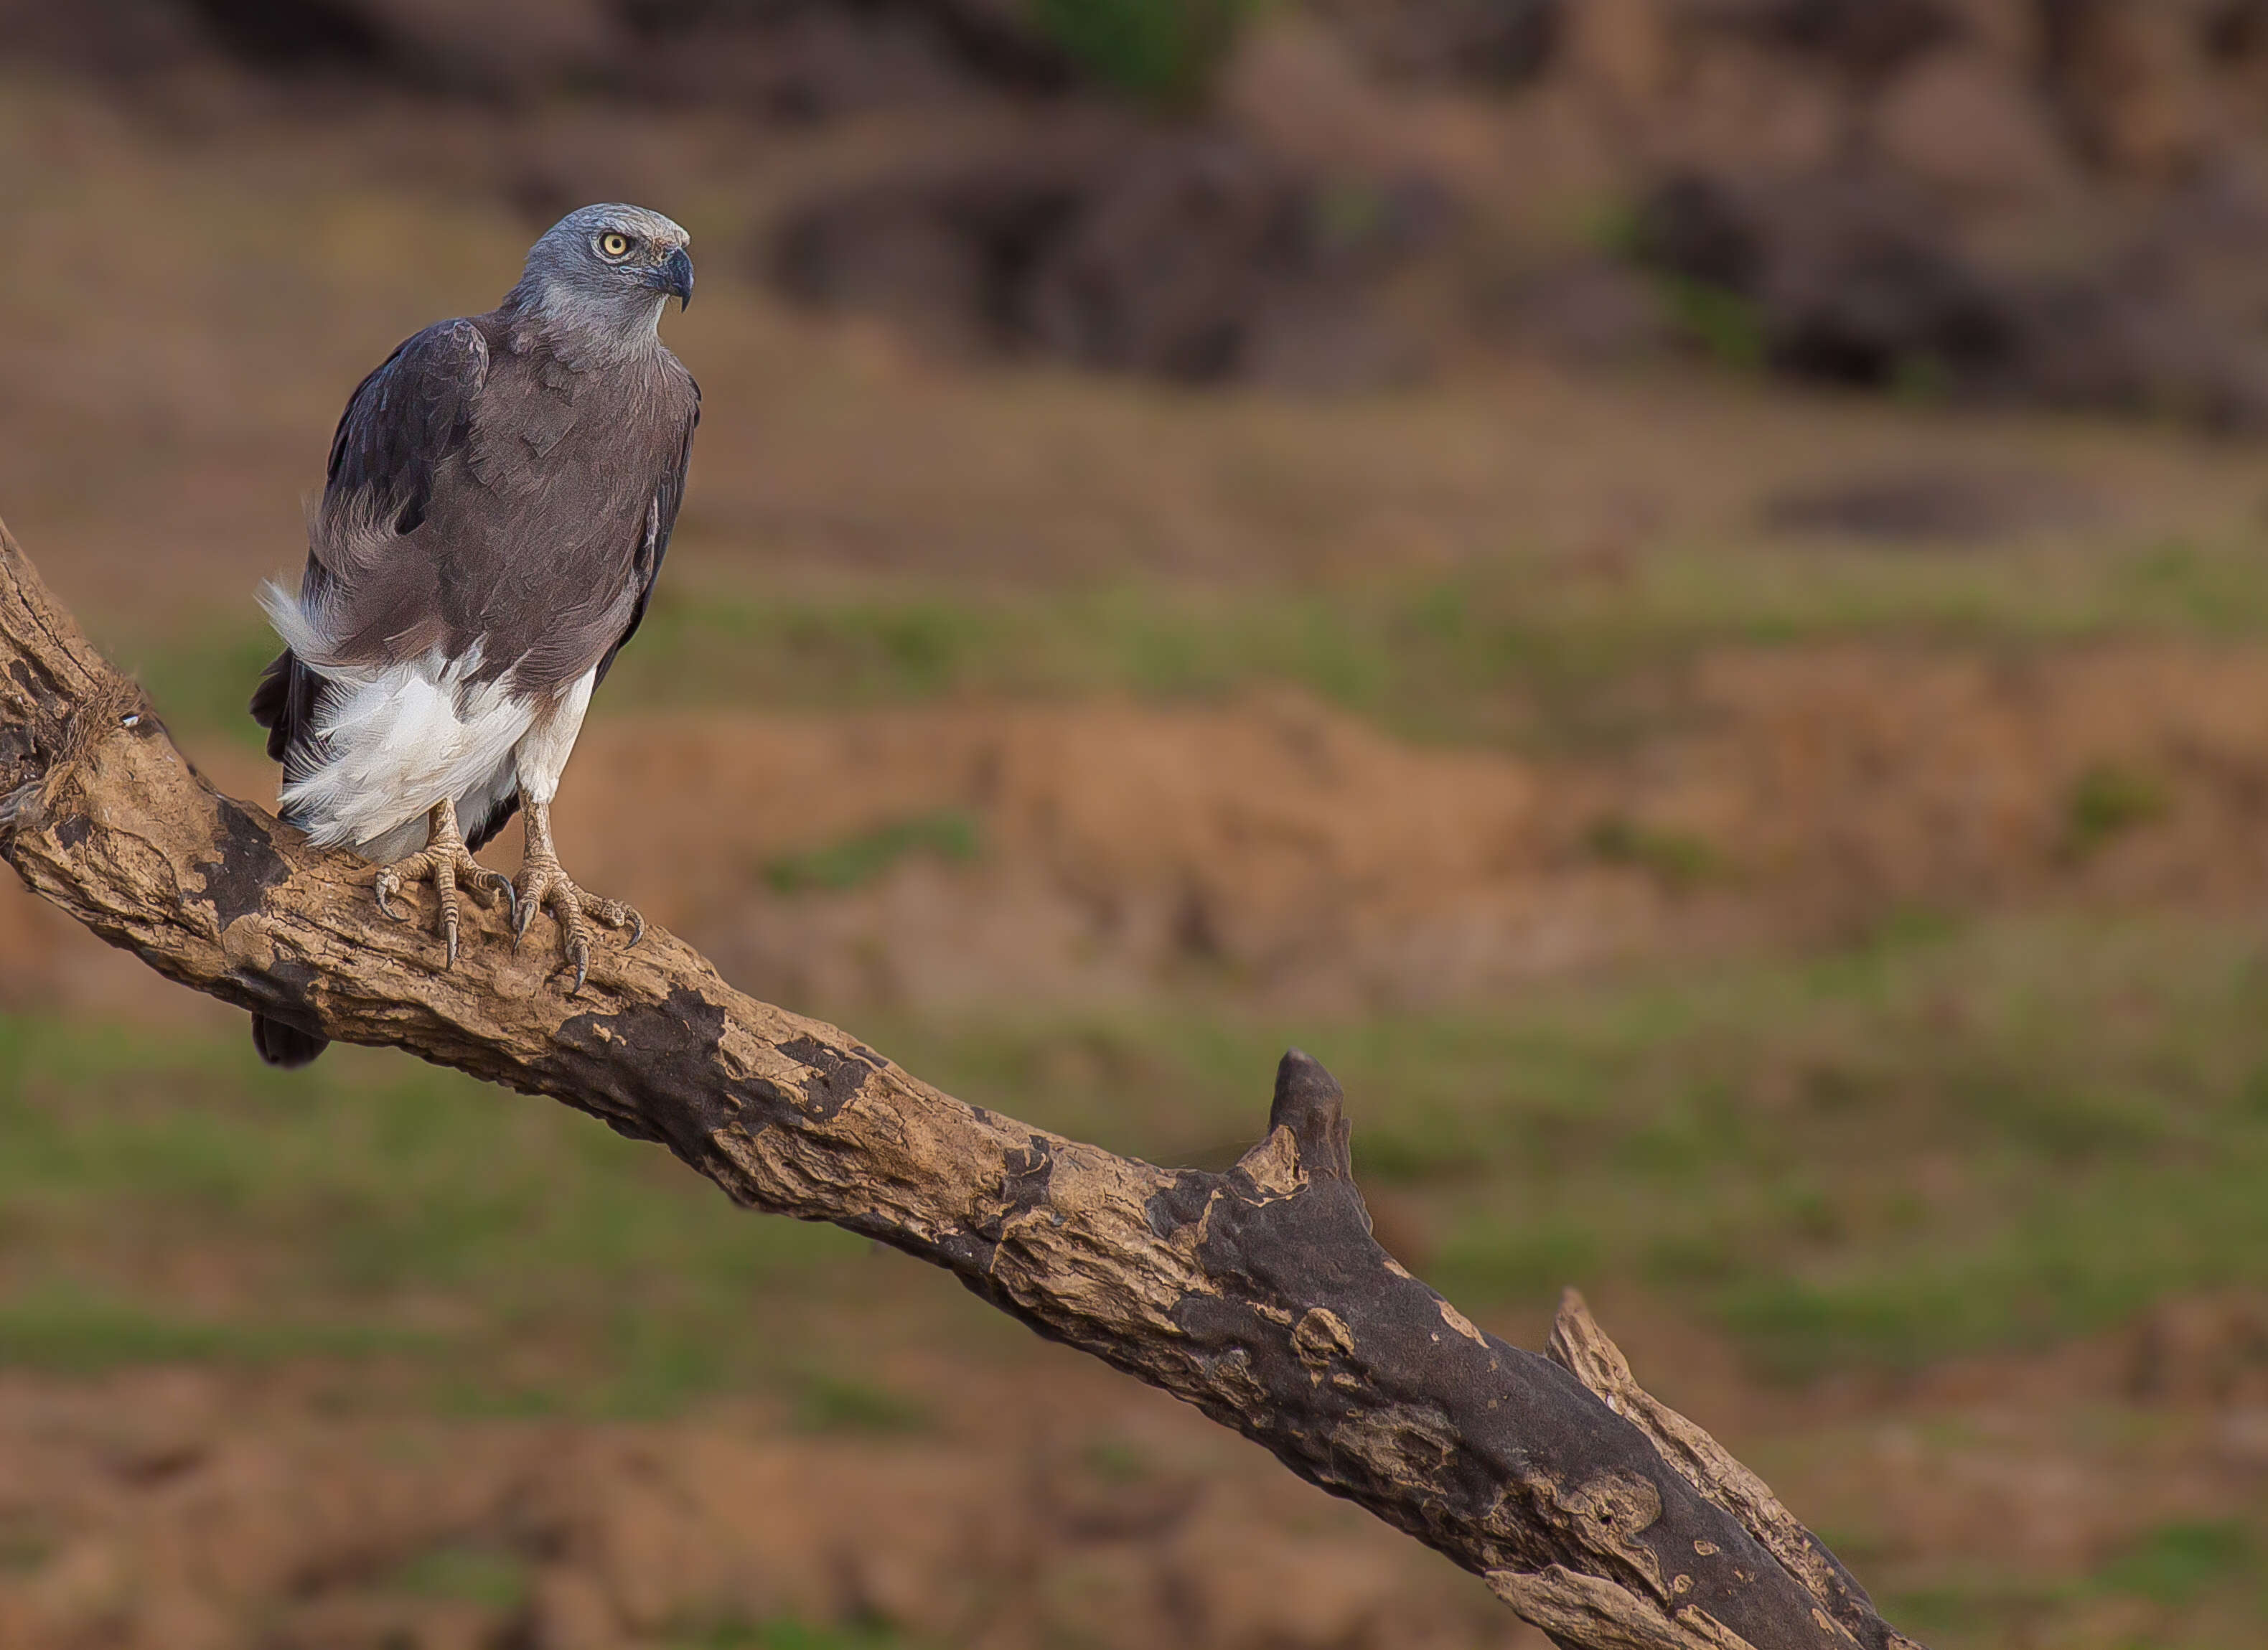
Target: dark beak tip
{"type": "Point", "coordinates": [680, 278]}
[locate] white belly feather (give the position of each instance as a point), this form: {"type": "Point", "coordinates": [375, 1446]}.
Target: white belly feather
{"type": "Point", "coordinates": [402, 737]}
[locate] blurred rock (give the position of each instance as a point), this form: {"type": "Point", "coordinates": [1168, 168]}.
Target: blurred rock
{"type": "Point", "coordinates": [1743, 108]}
{"type": "Point", "coordinates": [1588, 312]}
{"type": "Point", "coordinates": [775, 57]}
{"type": "Point", "coordinates": [1932, 506]}
{"type": "Point", "coordinates": [1622, 48]}
{"type": "Point", "coordinates": [1847, 277]}
{"type": "Point", "coordinates": [1189, 256]}
{"type": "Point", "coordinates": [1959, 121]}
{"type": "Point", "coordinates": [815, 58]}
{"type": "Point", "coordinates": [2131, 74]}
{"type": "Point", "coordinates": [1493, 43]}
{"type": "Point", "coordinates": [1865, 37]}
{"type": "Point", "coordinates": [2035, 201]}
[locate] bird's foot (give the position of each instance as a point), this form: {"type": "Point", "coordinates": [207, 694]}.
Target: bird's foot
{"type": "Point", "coordinates": [543, 885]}
{"type": "Point", "coordinates": [448, 865]}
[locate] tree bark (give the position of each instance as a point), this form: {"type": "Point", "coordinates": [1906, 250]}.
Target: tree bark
{"type": "Point", "coordinates": [1257, 1295]}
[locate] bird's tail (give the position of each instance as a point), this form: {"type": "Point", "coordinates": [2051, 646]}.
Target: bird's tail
{"type": "Point", "coordinates": [283, 1045]}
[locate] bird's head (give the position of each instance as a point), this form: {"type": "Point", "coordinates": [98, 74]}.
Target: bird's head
{"type": "Point", "coordinates": [608, 267]}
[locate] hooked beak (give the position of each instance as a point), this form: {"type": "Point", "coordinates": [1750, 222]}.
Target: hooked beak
{"type": "Point", "coordinates": [677, 278]}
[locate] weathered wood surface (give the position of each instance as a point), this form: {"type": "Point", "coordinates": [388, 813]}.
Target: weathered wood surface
{"type": "Point", "coordinates": [1257, 1295]}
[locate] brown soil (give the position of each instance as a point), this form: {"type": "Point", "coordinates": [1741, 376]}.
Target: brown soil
{"type": "Point", "coordinates": [1278, 853]}
{"type": "Point", "coordinates": [182, 1511]}
{"type": "Point", "coordinates": [1051, 1504]}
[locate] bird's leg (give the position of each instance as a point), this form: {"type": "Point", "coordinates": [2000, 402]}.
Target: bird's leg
{"type": "Point", "coordinates": [543, 885]}
{"type": "Point", "coordinates": [445, 862]}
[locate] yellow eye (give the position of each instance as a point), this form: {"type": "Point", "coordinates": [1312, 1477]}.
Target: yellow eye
{"type": "Point", "coordinates": [614, 245]}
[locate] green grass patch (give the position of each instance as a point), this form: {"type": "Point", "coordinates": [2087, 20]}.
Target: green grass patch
{"type": "Point", "coordinates": [66, 1330]}
{"type": "Point", "coordinates": [522, 1257]}
{"type": "Point", "coordinates": [2106, 803]}
{"type": "Point", "coordinates": [1994, 1610]}
{"type": "Point", "coordinates": [1523, 649]}
{"type": "Point", "coordinates": [953, 834]}
{"type": "Point", "coordinates": [839, 1403]}
{"type": "Point", "coordinates": [1724, 325]}
{"type": "Point", "coordinates": [1163, 53]}
{"type": "Point", "coordinates": [784, 1633]}
{"type": "Point", "coordinates": [1946, 1139]}
{"type": "Point", "coordinates": [2178, 1564]}
{"type": "Point", "coordinates": [1679, 859]}
{"type": "Point", "coordinates": [472, 1575]}
{"type": "Point", "coordinates": [1822, 1155]}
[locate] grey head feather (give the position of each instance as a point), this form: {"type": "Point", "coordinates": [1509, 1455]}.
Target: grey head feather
{"type": "Point", "coordinates": [599, 277]}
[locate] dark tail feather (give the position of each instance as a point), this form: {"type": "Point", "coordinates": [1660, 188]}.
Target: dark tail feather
{"type": "Point", "coordinates": [284, 703]}
{"type": "Point", "coordinates": [283, 1045]}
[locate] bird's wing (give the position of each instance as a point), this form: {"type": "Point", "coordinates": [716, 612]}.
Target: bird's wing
{"type": "Point", "coordinates": [661, 519]}
{"type": "Point", "coordinates": [409, 414]}
{"type": "Point", "coordinates": [365, 591]}
{"type": "Point", "coordinates": [400, 426]}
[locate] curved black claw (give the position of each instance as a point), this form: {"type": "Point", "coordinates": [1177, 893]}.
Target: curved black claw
{"type": "Point", "coordinates": [637, 930]}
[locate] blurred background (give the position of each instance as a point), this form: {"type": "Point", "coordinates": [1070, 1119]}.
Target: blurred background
{"type": "Point", "coordinates": [1678, 588]}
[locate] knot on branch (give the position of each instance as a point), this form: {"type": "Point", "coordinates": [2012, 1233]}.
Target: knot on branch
{"type": "Point", "coordinates": [46, 736]}
{"type": "Point", "coordinates": [1309, 1102]}
{"type": "Point", "coordinates": [1308, 1148]}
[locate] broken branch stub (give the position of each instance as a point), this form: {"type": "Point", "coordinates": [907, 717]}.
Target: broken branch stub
{"type": "Point", "coordinates": [1257, 1295]}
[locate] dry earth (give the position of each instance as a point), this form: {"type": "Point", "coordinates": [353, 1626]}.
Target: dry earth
{"type": "Point", "coordinates": [1051, 1504]}
{"type": "Point", "coordinates": [1280, 853]}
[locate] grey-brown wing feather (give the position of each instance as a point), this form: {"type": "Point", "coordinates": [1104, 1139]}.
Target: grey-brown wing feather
{"type": "Point", "coordinates": [662, 521]}
{"type": "Point", "coordinates": [412, 412]}
{"type": "Point", "coordinates": [408, 418]}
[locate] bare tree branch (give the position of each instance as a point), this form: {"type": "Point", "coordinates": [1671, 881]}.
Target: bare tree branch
{"type": "Point", "coordinates": [1257, 1295]}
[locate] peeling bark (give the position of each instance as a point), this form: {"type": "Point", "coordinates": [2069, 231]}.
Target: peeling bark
{"type": "Point", "coordinates": [1256, 1294]}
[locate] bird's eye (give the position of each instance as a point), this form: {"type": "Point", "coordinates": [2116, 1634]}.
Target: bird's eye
{"type": "Point", "coordinates": [614, 245]}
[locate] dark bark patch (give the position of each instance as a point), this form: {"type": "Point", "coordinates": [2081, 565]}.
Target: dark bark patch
{"type": "Point", "coordinates": [764, 1104]}
{"type": "Point", "coordinates": [671, 1048]}
{"type": "Point", "coordinates": [244, 867]}
{"type": "Point", "coordinates": [1181, 1204]}
{"type": "Point", "coordinates": [1024, 1188]}
{"type": "Point", "coordinates": [975, 1249]}
{"type": "Point", "coordinates": [834, 1080]}
{"type": "Point", "coordinates": [74, 831]}
{"type": "Point", "coordinates": [969, 1252]}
